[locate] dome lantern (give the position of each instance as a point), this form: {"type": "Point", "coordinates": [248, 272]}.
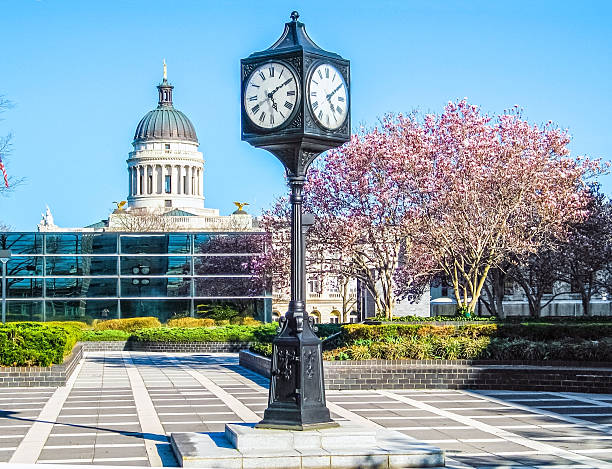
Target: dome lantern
{"type": "Point", "coordinates": [165, 90]}
{"type": "Point", "coordinates": [165, 122]}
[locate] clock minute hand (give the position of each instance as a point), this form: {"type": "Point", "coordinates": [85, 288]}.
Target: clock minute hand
{"type": "Point", "coordinates": [288, 80]}
{"type": "Point", "coordinates": [329, 96]}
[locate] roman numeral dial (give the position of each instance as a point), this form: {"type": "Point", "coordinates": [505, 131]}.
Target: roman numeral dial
{"type": "Point", "coordinates": [328, 96]}
{"type": "Point", "coordinates": [270, 95]}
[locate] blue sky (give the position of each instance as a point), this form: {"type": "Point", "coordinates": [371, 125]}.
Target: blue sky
{"type": "Point", "coordinates": [83, 73]}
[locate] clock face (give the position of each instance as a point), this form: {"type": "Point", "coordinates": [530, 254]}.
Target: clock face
{"type": "Point", "coordinates": [328, 96]}
{"type": "Point", "coordinates": [270, 95]}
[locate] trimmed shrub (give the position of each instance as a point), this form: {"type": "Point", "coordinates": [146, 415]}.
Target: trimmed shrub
{"type": "Point", "coordinates": [527, 331]}
{"type": "Point", "coordinates": [434, 318]}
{"type": "Point", "coordinates": [266, 333]}
{"type": "Point", "coordinates": [325, 330]}
{"type": "Point", "coordinates": [127, 324]}
{"type": "Point", "coordinates": [191, 322]}
{"type": "Point", "coordinates": [35, 344]}
{"type": "Point", "coordinates": [482, 348]}
{"type": "Point", "coordinates": [77, 324]}
{"type": "Point", "coordinates": [197, 334]}
{"type": "Point", "coordinates": [261, 349]}
{"type": "Point", "coordinates": [219, 312]}
{"type": "Point", "coordinates": [245, 321]}
{"type": "Point", "coordinates": [99, 336]}
{"type": "Point", "coordinates": [552, 331]}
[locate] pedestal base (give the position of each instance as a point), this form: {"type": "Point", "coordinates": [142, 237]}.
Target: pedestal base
{"type": "Point", "coordinates": [347, 446]}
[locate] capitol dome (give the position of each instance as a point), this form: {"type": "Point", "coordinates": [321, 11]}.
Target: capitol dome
{"type": "Point", "coordinates": [165, 122]}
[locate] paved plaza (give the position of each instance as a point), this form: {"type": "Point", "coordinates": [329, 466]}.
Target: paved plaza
{"type": "Point", "coordinates": [120, 407]}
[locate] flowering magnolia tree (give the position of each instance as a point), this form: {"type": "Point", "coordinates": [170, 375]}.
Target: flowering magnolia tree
{"type": "Point", "coordinates": [492, 189]}
{"type": "Point", "coordinates": [367, 219]}
{"type": "Point", "coordinates": [585, 256]}
{"type": "Point", "coordinates": [454, 195]}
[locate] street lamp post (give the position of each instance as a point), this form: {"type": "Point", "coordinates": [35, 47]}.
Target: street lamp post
{"type": "Point", "coordinates": [5, 255]}
{"type": "Point", "coordinates": [140, 282]}
{"type": "Point", "coordinates": [295, 104]}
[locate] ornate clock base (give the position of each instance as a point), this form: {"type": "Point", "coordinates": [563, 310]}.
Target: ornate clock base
{"type": "Point", "coordinates": [297, 394]}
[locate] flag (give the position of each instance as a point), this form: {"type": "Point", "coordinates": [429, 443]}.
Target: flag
{"type": "Point", "coordinates": [3, 169]}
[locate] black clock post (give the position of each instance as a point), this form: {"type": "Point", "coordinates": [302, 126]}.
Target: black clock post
{"type": "Point", "coordinates": [296, 116]}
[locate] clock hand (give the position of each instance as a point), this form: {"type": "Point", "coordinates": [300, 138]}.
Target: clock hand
{"type": "Point", "coordinates": [329, 96]}
{"type": "Point", "coordinates": [288, 80]}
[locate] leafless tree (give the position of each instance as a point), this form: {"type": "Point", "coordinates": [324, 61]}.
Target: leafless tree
{"type": "Point", "coordinates": [142, 220]}
{"type": "Point", "coordinates": [5, 151]}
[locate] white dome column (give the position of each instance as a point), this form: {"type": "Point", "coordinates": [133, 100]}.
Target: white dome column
{"type": "Point", "coordinates": [153, 180]}
{"type": "Point", "coordinates": [139, 180]}
{"type": "Point", "coordinates": [186, 181]}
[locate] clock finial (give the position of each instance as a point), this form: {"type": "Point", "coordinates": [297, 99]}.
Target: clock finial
{"type": "Point", "coordinates": [294, 15]}
{"type": "Point", "coordinates": [165, 71]}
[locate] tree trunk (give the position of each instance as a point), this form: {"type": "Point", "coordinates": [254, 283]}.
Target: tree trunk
{"type": "Point", "coordinates": [498, 279]}
{"type": "Point", "coordinates": [585, 298]}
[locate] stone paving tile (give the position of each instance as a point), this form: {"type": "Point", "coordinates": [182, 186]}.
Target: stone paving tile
{"type": "Point", "coordinates": [109, 432]}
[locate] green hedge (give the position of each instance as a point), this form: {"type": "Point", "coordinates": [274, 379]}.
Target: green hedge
{"type": "Point", "coordinates": [434, 318]}
{"type": "Point", "coordinates": [98, 336]}
{"type": "Point", "coordinates": [127, 324]}
{"type": "Point", "coordinates": [261, 349]}
{"type": "Point", "coordinates": [528, 331]}
{"type": "Point", "coordinates": [35, 344]}
{"type": "Point", "coordinates": [229, 333]}
{"type": "Point", "coordinates": [483, 348]}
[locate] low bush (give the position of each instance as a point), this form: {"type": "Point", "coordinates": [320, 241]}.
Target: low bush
{"type": "Point", "coordinates": [218, 312]}
{"type": "Point", "coordinates": [191, 322]}
{"type": "Point", "coordinates": [98, 336]}
{"type": "Point", "coordinates": [261, 349]}
{"type": "Point", "coordinates": [127, 324]}
{"type": "Point", "coordinates": [552, 331]}
{"type": "Point", "coordinates": [198, 334]}
{"type": "Point", "coordinates": [35, 344]}
{"type": "Point", "coordinates": [483, 348]}
{"type": "Point", "coordinates": [527, 331]}
{"type": "Point", "coordinates": [245, 321]}
{"type": "Point", "coordinates": [326, 330]}
{"type": "Point", "coordinates": [434, 318]}
{"type": "Point", "coordinates": [77, 324]}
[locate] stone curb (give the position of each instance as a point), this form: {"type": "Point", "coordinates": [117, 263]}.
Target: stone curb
{"type": "Point", "coordinates": [446, 374]}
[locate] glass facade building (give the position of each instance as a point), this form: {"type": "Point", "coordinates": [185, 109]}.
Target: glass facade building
{"type": "Point", "coordinates": [55, 276]}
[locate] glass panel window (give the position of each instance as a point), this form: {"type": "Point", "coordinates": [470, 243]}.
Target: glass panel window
{"type": "Point", "coordinates": [29, 310]}
{"type": "Point", "coordinates": [22, 266]}
{"type": "Point", "coordinates": [226, 286]}
{"type": "Point", "coordinates": [137, 287]}
{"type": "Point", "coordinates": [23, 287]}
{"type": "Point", "coordinates": [222, 265]}
{"type": "Point", "coordinates": [257, 308]}
{"type": "Point", "coordinates": [22, 243]}
{"type": "Point", "coordinates": [73, 265]}
{"type": "Point", "coordinates": [81, 287]}
{"type": "Point", "coordinates": [156, 244]}
{"type": "Point", "coordinates": [81, 243]}
{"type": "Point", "coordinates": [81, 310]}
{"type": "Point", "coordinates": [167, 184]}
{"type": "Point", "coordinates": [228, 243]}
{"type": "Point", "coordinates": [155, 265]}
{"type": "Point", "coordinates": [162, 309]}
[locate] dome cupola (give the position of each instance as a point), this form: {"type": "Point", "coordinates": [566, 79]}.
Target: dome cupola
{"type": "Point", "coordinates": [165, 122]}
